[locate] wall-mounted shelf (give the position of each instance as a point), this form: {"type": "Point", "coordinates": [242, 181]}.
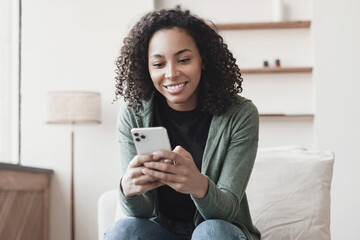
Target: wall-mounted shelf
{"type": "Point", "coordinates": [263, 25]}
{"type": "Point", "coordinates": [286, 115]}
{"type": "Point", "coordinates": [271, 70]}
{"type": "Point", "coordinates": [277, 70]}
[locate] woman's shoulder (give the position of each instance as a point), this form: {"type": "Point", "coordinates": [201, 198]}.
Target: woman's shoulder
{"type": "Point", "coordinates": [242, 106]}
{"type": "Point", "coordinates": [129, 113]}
{"type": "Point", "coordinates": [241, 117]}
{"type": "Point", "coordinates": [242, 111]}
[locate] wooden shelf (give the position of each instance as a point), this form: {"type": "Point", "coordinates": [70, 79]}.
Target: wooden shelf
{"type": "Point", "coordinates": [267, 70]}
{"type": "Point", "coordinates": [263, 25]}
{"type": "Point", "coordinates": [277, 70]}
{"type": "Point", "coordinates": [287, 115]}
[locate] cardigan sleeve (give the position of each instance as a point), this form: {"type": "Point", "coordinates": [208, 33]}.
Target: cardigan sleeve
{"type": "Point", "coordinates": [140, 205]}
{"type": "Point", "coordinates": [234, 159]}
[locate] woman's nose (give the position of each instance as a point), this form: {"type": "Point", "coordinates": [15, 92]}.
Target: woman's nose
{"type": "Point", "coordinates": [171, 72]}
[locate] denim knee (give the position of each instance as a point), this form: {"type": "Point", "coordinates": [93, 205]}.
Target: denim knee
{"type": "Point", "coordinates": [132, 228]}
{"type": "Point", "coordinates": [217, 229]}
{"type": "Point", "coordinates": [121, 229]}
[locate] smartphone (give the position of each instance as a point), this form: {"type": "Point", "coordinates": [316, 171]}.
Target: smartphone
{"type": "Point", "coordinates": [151, 139]}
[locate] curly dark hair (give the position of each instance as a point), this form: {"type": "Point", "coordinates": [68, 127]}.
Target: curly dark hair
{"type": "Point", "coordinates": [220, 79]}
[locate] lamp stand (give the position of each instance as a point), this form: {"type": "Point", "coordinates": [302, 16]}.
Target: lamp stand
{"type": "Point", "coordinates": [72, 187]}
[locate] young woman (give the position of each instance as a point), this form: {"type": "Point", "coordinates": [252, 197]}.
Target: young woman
{"type": "Point", "coordinates": [175, 71]}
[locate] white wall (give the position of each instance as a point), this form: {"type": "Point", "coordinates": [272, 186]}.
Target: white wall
{"type": "Point", "coordinates": [337, 51]}
{"type": "Point", "coordinates": [9, 84]}
{"type": "Point", "coordinates": [72, 45]}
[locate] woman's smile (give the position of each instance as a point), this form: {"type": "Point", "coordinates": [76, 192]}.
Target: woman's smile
{"type": "Point", "coordinates": [175, 88]}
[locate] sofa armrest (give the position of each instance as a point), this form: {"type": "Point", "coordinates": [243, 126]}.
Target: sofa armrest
{"type": "Point", "coordinates": [107, 208]}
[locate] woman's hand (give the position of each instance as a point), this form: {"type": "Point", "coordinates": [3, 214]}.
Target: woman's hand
{"type": "Point", "coordinates": [134, 182]}
{"type": "Point", "coordinates": [177, 170]}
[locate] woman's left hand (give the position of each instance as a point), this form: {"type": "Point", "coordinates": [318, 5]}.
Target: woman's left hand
{"type": "Point", "coordinates": [177, 170]}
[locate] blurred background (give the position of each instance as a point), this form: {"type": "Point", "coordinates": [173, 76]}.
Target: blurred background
{"type": "Point", "coordinates": [72, 45]}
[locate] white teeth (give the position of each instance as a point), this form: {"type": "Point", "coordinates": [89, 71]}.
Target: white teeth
{"type": "Point", "coordinates": [175, 86]}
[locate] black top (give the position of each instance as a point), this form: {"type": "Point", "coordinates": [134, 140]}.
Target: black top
{"type": "Point", "coordinates": [189, 129]}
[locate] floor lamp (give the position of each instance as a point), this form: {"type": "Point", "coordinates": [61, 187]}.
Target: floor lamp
{"type": "Point", "coordinates": [72, 108]}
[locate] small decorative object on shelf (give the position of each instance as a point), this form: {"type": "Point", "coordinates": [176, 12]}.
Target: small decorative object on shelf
{"type": "Point", "coordinates": [277, 10]}
{"type": "Point", "coordinates": [277, 63]}
{"type": "Point", "coordinates": [266, 64]}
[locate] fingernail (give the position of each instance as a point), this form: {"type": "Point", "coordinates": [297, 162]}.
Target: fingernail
{"type": "Point", "coordinates": [156, 155]}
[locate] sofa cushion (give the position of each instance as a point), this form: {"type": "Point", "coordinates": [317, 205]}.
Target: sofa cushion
{"type": "Point", "coordinates": [289, 193]}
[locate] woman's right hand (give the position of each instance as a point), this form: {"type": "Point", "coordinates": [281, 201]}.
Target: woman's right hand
{"type": "Point", "coordinates": [134, 182]}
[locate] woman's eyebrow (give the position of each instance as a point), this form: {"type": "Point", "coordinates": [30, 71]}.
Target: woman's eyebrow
{"type": "Point", "coordinates": [182, 51]}
{"type": "Point", "coordinates": [156, 56]}
{"type": "Point", "coordinates": [175, 54]}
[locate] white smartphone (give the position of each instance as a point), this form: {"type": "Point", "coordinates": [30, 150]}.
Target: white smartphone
{"type": "Point", "coordinates": [151, 139]}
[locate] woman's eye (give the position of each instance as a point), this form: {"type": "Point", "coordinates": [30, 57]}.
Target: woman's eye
{"type": "Point", "coordinates": [184, 60]}
{"type": "Point", "coordinates": [158, 64]}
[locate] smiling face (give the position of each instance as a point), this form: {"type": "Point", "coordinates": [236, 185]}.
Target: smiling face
{"type": "Point", "coordinates": [175, 67]}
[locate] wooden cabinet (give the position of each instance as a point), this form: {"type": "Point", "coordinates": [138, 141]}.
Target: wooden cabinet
{"type": "Point", "coordinates": [24, 202]}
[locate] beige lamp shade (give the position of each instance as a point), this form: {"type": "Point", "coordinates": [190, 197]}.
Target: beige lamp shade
{"type": "Point", "coordinates": [73, 107]}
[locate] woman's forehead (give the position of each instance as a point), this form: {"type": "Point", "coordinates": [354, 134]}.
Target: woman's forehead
{"type": "Point", "coordinates": [172, 41]}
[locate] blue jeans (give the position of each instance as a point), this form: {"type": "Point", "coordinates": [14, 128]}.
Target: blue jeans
{"type": "Point", "coordinates": [165, 229]}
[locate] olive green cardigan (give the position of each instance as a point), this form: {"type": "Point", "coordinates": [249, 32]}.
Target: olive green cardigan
{"type": "Point", "coordinates": [228, 160]}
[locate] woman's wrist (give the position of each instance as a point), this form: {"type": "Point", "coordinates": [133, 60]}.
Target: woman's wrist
{"type": "Point", "coordinates": [123, 189]}
{"type": "Point", "coordinates": [202, 191]}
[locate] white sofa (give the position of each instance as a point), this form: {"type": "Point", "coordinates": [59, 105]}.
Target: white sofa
{"type": "Point", "coordinates": [288, 194]}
